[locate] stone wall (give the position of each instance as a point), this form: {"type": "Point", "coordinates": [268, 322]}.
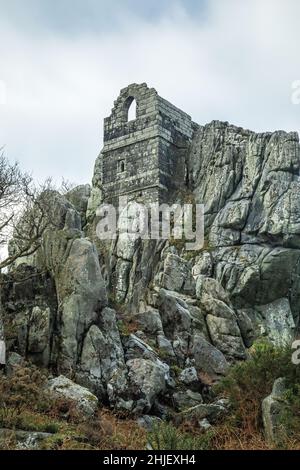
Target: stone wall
{"type": "Point", "coordinates": [144, 158]}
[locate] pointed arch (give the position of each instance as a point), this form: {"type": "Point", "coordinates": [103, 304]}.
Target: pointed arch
{"type": "Point", "coordinates": [130, 109]}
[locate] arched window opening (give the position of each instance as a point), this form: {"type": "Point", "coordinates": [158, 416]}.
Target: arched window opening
{"type": "Point", "coordinates": [130, 109]}
{"type": "Point", "coordinates": [121, 166]}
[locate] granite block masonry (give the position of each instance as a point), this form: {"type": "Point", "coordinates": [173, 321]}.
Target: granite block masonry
{"type": "Point", "coordinates": [144, 158]}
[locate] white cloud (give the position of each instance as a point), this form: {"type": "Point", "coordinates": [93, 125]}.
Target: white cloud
{"type": "Point", "coordinates": [237, 63]}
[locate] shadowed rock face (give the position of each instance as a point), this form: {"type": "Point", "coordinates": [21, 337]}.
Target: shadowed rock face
{"type": "Point", "coordinates": [199, 310]}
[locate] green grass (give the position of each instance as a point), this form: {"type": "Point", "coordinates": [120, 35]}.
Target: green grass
{"type": "Point", "coordinates": [166, 436]}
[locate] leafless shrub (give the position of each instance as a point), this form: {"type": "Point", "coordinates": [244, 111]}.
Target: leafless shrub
{"type": "Point", "coordinates": [25, 212]}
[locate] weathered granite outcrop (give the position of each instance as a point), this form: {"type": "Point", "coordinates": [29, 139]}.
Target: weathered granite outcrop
{"type": "Point", "coordinates": [56, 312]}
{"type": "Point", "coordinates": [193, 311]}
{"type": "Point", "coordinates": [252, 221]}
{"type": "Point", "coordinates": [249, 184]}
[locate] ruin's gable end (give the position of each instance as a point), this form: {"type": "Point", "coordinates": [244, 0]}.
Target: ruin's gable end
{"type": "Point", "coordinates": [144, 158]}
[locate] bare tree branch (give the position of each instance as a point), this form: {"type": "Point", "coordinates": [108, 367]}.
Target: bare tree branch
{"type": "Point", "coordinates": [25, 212]}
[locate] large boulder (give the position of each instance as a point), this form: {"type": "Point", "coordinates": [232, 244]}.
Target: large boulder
{"type": "Point", "coordinates": [177, 322]}
{"type": "Point", "coordinates": [208, 358]}
{"type": "Point", "coordinates": [82, 295]}
{"type": "Point", "coordinates": [221, 318]}
{"type": "Point", "coordinates": [274, 321]}
{"type": "Point", "coordinates": [174, 312]}
{"type": "Point", "coordinates": [150, 321]}
{"type": "Point", "coordinates": [135, 347]}
{"type": "Point", "coordinates": [102, 354]}
{"type": "Point", "coordinates": [188, 376]}
{"type": "Point", "coordinates": [226, 336]}
{"type": "Point", "coordinates": [79, 197]}
{"type": "Point", "coordinates": [23, 440]}
{"type": "Point", "coordinates": [177, 275]}
{"type": "Point", "coordinates": [211, 411]}
{"type": "Point", "coordinates": [184, 399]}
{"type": "Point", "coordinates": [147, 380]}
{"type": "Point", "coordinates": [273, 408]}
{"type": "Point", "coordinates": [83, 399]}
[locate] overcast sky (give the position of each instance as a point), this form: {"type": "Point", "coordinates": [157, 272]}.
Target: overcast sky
{"type": "Point", "coordinates": [63, 62]}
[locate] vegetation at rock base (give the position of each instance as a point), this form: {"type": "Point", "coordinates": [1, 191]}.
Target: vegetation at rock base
{"type": "Point", "coordinates": [246, 385]}
{"type": "Point", "coordinates": [291, 416]}
{"type": "Point", "coordinates": [24, 405]}
{"type": "Point", "coordinates": [166, 436]}
{"type": "Point", "coordinates": [249, 382]}
{"type": "Point", "coordinates": [18, 392]}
